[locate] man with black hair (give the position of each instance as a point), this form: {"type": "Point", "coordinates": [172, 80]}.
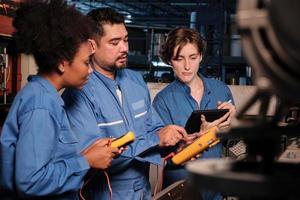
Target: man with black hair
{"type": "Point", "coordinates": [39, 155]}
{"type": "Point", "coordinates": [114, 101]}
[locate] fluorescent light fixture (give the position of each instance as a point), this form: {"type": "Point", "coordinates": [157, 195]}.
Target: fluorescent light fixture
{"type": "Point", "coordinates": [159, 64]}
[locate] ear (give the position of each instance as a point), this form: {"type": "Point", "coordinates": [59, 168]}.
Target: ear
{"type": "Point", "coordinates": [93, 45]}
{"type": "Point", "coordinates": [61, 66]}
{"type": "Point", "coordinates": [201, 57]}
{"type": "Point", "coordinates": [170, 63]}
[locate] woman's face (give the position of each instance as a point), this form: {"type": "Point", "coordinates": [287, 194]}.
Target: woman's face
{"type": "Point", "coordinates": [76, 74]}
{"type": "Point", "coordinates": [187, 64]}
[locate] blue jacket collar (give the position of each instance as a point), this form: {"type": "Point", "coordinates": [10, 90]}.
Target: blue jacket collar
{"type": "Point", "coordinates": [207, 90]}
{"type": "Point", "coordinates": [186, 88]}
{"type": "Point", "coordinates": [109, 83]}
{"type": "Point", "coordinates": [47, 85]}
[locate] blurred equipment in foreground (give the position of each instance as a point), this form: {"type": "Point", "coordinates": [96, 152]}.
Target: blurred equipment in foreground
{"type": "Point", "coordinates": [270, 36]}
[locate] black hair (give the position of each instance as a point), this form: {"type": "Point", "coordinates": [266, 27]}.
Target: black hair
{"type": "Point", "coordinates": [50, 30]}
{"type": "Point", "coordinates": [101, 16]}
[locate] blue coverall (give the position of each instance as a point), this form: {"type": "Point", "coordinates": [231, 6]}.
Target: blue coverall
{"type": "Point", "coordinates": [175, 104]}
{"type": "Point", "coordinates": [97, 112]}
{"type": "Point", "coordinates": [38, 151]}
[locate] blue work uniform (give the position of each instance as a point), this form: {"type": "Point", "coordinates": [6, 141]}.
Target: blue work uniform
{"type": "Point", "coordinates": [38, 151]}
{"type": "Point", "coordinates": [175, 104]}
{"type": "Point", "coordinates": [98, 112]}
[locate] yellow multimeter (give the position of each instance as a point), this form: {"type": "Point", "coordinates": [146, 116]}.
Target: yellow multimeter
{"type": "Point", "coordinates": [208, 140]}
{"type": "Point", "coordinates": [123, 140]}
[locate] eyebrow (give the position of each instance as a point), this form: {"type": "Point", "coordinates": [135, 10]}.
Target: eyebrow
{"type": "Point", "coordinates": [194, 54]}
{"type": "Point", "coordinates": [117, 38]}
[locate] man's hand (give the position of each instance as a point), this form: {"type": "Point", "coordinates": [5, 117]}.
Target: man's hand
{"type": "Point", "coordinates": [171, 135]}
{"type": "Point", "coordinates": [99, 154]}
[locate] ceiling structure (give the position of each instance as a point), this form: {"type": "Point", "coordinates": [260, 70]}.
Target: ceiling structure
{"type": "Point", "coordinates": [163, 13]}
{"type": "Point", "coordinates": [209, 17]}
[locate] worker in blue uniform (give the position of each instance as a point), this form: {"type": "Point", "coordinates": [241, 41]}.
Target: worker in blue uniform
{"type": "Point", "coordinates": [190, 91]}
{"type": "Point", "coordinates": [39, 153]}
{"type": "Point", "coordinates": [114, 101]}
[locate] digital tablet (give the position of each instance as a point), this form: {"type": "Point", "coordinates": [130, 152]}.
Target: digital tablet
{"type": "Point", "coordinates": [194, 122]}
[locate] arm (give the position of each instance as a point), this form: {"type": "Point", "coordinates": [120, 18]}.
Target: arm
{"type": "Point", "coordinates": [161, 108]}
{"type": "Point", "coordinates": [82, 117]}
{"type": "Point", "coordinates": [171, 134]}
{"type": "Point", "coordinates": [228, 104]}
{"type": "Point", "coordinates": [43, 164]}
{"type": "Point", "coordinates": [151, 140]}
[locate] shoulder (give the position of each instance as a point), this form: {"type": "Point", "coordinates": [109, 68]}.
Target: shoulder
{"type": "Point", "coordinates": [169, 89]}
{"type": "Point", "coordinates": [71, 95]}
{"type": "Point", "coordinates": [216, 85]}
{"type": "Point", "coordinates": [38, 96]}
{"type": "Point", "coordinates": [34, 96]}
{"type": "Point", "coordinates": [166, 93]}
{"type": "Point", "coordinates": [218, 89]}
{"type": "Point", "coordinates": [133, 75]}
{"type": "Point", "coordinates": [133, 79]}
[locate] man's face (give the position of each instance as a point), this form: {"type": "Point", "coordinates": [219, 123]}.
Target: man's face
{"type": "Point", "coordinates": [112, 48]}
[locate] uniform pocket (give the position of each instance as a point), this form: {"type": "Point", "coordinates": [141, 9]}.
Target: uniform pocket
{"type": "Point", "coordinates": [67, 144]}
{"type": "Point", "coordinates": [140, 120]}
{"type": "Point", "coordinates": [67, 137]}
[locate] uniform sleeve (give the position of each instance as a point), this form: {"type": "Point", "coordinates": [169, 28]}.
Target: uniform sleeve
{"type": "Point", "coordinates": [229, 95]}
{"type": "Point", "coordinates": [162, 110]}
{"type": "Point", "coordinates": [81, 116]}
{"type": "Point", "coordinates": [38, 171]}
{"type": "Point", "coordinates": [154, 124]}
{"type": "Point", "coordinates": [147, 148]}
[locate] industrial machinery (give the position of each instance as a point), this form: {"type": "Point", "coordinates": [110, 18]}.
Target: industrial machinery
{"type": "Point", "coordinates": [270, 38]}
{"type": "Point", "coordinates": [10, 70]}
{"type": "Point", "coordinates": [4, 70]}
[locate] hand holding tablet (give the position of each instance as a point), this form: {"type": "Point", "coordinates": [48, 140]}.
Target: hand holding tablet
{"type": "Point", "coordinates": [193, 124]}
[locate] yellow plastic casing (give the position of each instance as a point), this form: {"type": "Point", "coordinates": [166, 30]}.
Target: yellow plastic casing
{"type": "Point", "coordinates": [209, 139]}
{"type": "Point", "coordinates": [123, 140]}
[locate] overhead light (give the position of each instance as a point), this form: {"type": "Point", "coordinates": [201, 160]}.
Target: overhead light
{"type": "Point", "coordinates": [128, 16]}
{"type": "Point", "coordinates": [159, 64]}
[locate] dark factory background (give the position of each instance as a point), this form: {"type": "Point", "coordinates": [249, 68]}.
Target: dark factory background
{"type": "Point", "coordinates": [148, 22]}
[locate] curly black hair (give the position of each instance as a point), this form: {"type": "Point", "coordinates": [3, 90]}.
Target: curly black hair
{"type": "Point", "coordinates": [101, 16]}
{"type": "Point", "coordinates": [180, 36]}
{"type": "Point", "coordinates": [51, 30]}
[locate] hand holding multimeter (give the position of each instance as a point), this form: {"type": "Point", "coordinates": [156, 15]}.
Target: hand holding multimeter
{"type": "Point", "coordinates": [123, 140]}
{"type": "Point", "coordinates": [207, 138]}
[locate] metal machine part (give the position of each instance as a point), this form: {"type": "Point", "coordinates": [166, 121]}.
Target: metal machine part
{"type": "Point", "coordinates": [270, 38]}
{"type": "Point", "coordinates": [4, 67]}
{"type": "Point", "coordinates": [246, 179]}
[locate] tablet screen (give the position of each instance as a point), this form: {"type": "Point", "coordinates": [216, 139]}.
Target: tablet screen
{"type": "Point", "coordinates": [194, 122]}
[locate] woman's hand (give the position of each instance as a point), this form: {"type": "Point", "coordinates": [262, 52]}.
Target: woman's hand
{"type": "Point", "coordinates": [232, 111]}
{"type": "Point", "coordinates": [99, 154]}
